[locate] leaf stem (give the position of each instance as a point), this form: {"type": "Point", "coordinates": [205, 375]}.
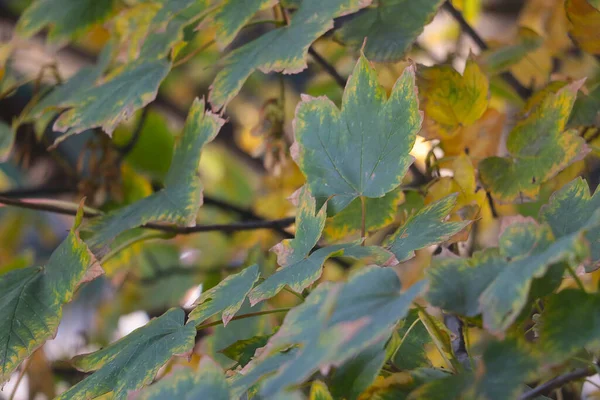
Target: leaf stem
{"type": "Point", "coordinates": [557, 382]}
{"type": "Point", "coordinates": [192, 54]}
{"type": "Point", "coordinates": [244, 316]}
{"type": "Point", "coordinates": [575, 277]}
{"type": "Point", "coordinates": [24, 367]}
{"type": "Point", "coordinates": [363, 219]}
{"type": "Point", "coordinates": [327, 67]}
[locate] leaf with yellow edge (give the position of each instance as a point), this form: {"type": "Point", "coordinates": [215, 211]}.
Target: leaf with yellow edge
{"type": "Point", "coordinates": [283, 49]}
{"type": "Point", "coordinates": [231, 16]}
{"type": "Point", "coordinates": [319, 391]}
{"type": "Point", "coordinates": [181, 197]}
{"type": "Point", "coordinates": [425, 228]}
{"type": "Point", "coordinates": [362, 150]}
{"type": "Point", "coordinates": [538, 149]}
{"type": "Point", "coordinates": [133, 361]}
{"type": "Point", "coordinates": [585, 20]}
{"type": "Point", "coordinates": [379, 213]}
{"type": "Point", "coordinates": [32, 299]}
{"type": "Point", "coordinates": [452, 100]}
{"type": "Point", "coordinates": [207, 383]}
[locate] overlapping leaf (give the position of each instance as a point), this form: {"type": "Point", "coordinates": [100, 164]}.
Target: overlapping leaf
{"type": "Point", "coordinates": [207, 383]}
{"type": "Point", "coordinates": [452, 101]}
{"type": "Point", "coordinates": [496, 281]}
{"type": "Point", "coordinates": [299, 269]}
{"type": "Point", "coordinates": [570, 209]}
{"type": "Point", "coordinates": [425, 228]}
{"type": "Point", "coordinates": [133, 361]}
{"type": "Point", "coordinates": [412, 353]}
{"type": "Point", "coordinates": [335, 323]}
{"type": "Point", "coordinates": [179, 201]}
{"type": "Point", "coordinates": [32, 298]}
{"type": "Point", "coordinates": [362, 150]}
{"type": "Point", "coordinates": [283, 49]}
{"type": "Point", "coordinates": [584, 18]}
{"type": "Point", "coordinates": [391, 27]}
{"type": "Point", "coordinates": [243, 350]}
{"type": "Point", "coordinates": [66, 18]}
{"type": "Point", "coordinates": [226, 298]}
{"type": "Point", "coordinates": [538, 149]}
{"type": "Point", "coordinates": [232, 15]}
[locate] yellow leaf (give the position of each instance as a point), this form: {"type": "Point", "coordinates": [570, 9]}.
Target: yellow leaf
{"type": "Point", "coordinates": [585, 25]}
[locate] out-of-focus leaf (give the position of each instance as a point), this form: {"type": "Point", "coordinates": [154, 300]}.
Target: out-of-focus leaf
{"type": "Point", "coordinates": [319, 391]}
{"type": "Point", "coordinates": [179, 201]}
{"type": "Point", "coordinates": [66, 18]}
{"type": "Point", "coordinates": [586, 110]}
{"type": "Point", "coordinates": [242, 351]}
{"type": "Point", "coordinates": [32, 300]}
{"type": "Point", "coordinates": [425, 228]}
{"type": "Point", "coordinates": [133, 361]}
{"type": "Point", "coordinates": [501, 59]}
{"type": "Point", "coordinates": [7, 139]}
{"type": "Point", "coordinates": [412, 354]}
{"type": "Point", "coordinates": [362, 150]}
{"type": "Point", "coordinates": [595, 4]}
{"type": "Point", "coordinates": [335, 323]}
{"type": "Point", "coordinates": [570, 209]}
{"type": "Point", "coordinates": [380, 211]}
{"type": "Point", "coordinates": [570, 322]}
{"type": "Point", "coordinates": [391, 27]}
{"type": "Point", "coordinates": [585, 19]}
{"type": "Point", "coordinates": [399, 385]}
{"type": "Point", "coordinates": [282, 50]}
{"type": "Point", "coordinates": [452, 101]}
{"type": "Point", "coordinates": [226, 298]}
{"type": "Point", "coordinates": [496, 281]}
{"type": "Point", "coordinates": [538, 149]}
{"type": "Point", "coordinates": [185, 384]}
{"type": "Point", "coordinates": [350, 379]}
{"type": "Point", "coordinates": [231, 16]}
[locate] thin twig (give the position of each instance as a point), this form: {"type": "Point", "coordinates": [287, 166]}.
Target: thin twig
{"type": "Point", "coordinates": [192, 54]}
{"type": "Point", "coordinates": [327, 67]}
{"type": "Point", "coordinates": [559, 381]}
{"type": "Point", "coordinates": [39, 191]}
{"type": "Point", "coordinates": [509, 78]}
{"type": "Point", "coordinates": [243, 316]}
{"type": "Point", "coordinates": [24, 367]}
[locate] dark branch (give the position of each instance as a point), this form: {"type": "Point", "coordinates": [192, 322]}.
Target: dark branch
{"type": "Point", "coordinates": [39, 191]}
{"type": "Point", "coordinates": [509, 78]}
{"type": "Point", "coordinates": [125, 150]}
{"type": "Point", "coordinates": [330, 69]}
{"type": "Point", "coordinates": [459, 347]}
{"type": "Point", "coordinates": [559, 381]}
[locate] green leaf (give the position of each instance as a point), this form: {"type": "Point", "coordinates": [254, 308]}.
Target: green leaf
{"type": "Point", "coordinates": [390, 27]}
{"type": "Point", "coordinates": [501, 59]}
{"type": "Point", "coordinates": [362, 150]}
{"type": "Point", "coordinates": [496, 282]}
{"type": "Point", "coordinates": [66, 18]}
{"type": "Point", "coordinates": [7, 139]}
{"type": "Point", "coordinates": [425, 228]}
{"type": "Point", "coordinates": [570, 209]}
{"type": "Point", "coordinates": [232, 15]}
{"type": "Point", "coordinates": [379, 213]}
{"type": "Point", "coordinates": [334, 324]}
{"type": "Point", "coordinates": [133, 361]}
{"type": "Point", "coordinates": [570, 322]}
{"type": "Point", "coordinates": [186, 384]}
{"type": "Point", "coordinates": [319, 391]}
{"type": "Point", "coordinates": [226, 298]}
{"type": "Point", "coordinates": [243, 350]}
{"type": "Point", "coordinates": [586, 110]}
{"type": "Point", "coordinates": [595, 4]}
{"type": "Point", "coordinates": [179, 201]}
{"type": "Point", "coordinates": [412, 354]}
{"type": "Point", "coordinates": [32, 298]}
{"type": "Point", "coordinates": [282, 50]}
{"type": "Point", "coordinates": [538, 148]}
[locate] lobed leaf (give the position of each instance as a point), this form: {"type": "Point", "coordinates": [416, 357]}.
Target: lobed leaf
{"type": "Point", "coordinates": [283, 49]}
{"type": "Point", "coordinates": [179, 201]}
{"type": "Point", "coordinates": [425, 228]}
{"type": "Point", "coordinates": [133, 361]}
{"type": "Point", "coordinates": [538, 149]}
{"type": "Point", "coordinates": [31, 300]}
{"type": "Point", "coordinates": [226, 298]}
{"type": "Point", "coordinates": [391, 27]}
{"type": "Point", "coordinates": [362, 150]}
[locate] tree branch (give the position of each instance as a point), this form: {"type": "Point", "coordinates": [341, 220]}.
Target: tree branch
{"type": "Point", "coordinates": [509, 78]}
{"type": "Point", "coordinates": [546, 388]}
{"type": "Point", "coordinates": [330, 69]}
{"type": "Point", "coordinates": [125, 150]}
{"type": "Point", "coordinates": [459, 347]}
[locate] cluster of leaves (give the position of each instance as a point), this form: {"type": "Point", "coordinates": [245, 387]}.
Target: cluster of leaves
{"type": "Point", "coordinates": [502, 230]}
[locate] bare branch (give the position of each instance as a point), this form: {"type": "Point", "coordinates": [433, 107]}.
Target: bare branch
{"type": "Point", "coordinates": [559, 381]}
